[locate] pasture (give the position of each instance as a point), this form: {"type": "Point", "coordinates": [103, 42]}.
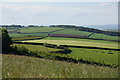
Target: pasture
{"type": "Point", "coordinates": [37, 47]}
{"type": "Point", "coordinates": [96, 55]}
{"type": "Point", "coordinates": [44, 31]}
{"type": "Point", "coordinates": [77, 42]}
{"type": "Point", "coordinates": [31, 67]}
{"type": "Point", "coordinates": [38, 29]}
{"type": "Point", "coordinates": [103, 36]}
{"type": "Point", "coordinates": [23, 35]}
{"type": "Point", "coordinates": [72, 32]}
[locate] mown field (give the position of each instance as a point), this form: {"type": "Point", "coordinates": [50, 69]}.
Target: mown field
{"type": "Point", "coordinates": [38, 29]}
{"type": "Point", "coordinates": [76, 42]}
{"type": "Point", "coordinates": [30, 67]}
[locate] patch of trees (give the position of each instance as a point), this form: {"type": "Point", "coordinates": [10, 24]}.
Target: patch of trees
{"type": "Point", "coordinates": [32, 25]}
{"type": "Point", "coordinates": [66, 50]}
{"type": "Point", "coordinates": [6, 41]}
{"type": "Point", "coordinates": [81, 28]}
{"type": "Point", "coordinates": [7, 26]}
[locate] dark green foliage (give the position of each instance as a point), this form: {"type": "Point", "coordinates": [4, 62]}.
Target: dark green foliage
{"type": "Point", "coordinates": [20, 50]}
{"type": "Point", "coordinates": [7, 26]}
{"type": "Point", "coordinates": [6, 41]}
{"type": "Point", "coordinates": [66, 50]}
{"type": "Point", "coordinates": [50, 45]}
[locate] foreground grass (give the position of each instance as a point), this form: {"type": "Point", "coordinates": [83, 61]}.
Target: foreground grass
{"type": "Point", "coordinates": [30, 67]}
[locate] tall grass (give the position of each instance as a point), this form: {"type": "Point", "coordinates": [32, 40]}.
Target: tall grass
{"type": "Point", "coordinates": [30, 67]}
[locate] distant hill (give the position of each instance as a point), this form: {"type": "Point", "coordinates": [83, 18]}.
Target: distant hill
{"type": "Point", "coordinates": [104, 27]}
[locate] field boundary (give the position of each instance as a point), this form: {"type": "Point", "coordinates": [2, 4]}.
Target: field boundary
{"type": "Point", "coordinates": [69, 46]}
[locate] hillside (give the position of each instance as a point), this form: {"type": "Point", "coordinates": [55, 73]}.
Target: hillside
{"type": "Point", "coordinates": [29, 67]}
{"type": "Point", "coordinates": [104, 27]}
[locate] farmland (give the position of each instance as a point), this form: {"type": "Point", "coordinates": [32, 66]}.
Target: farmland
{"type": "Point", "coordinates": [30, 67]}
{"type": "Point", "coordinates": [78, 42]}
{"type": "Point", "coordinates": [103, 36]}
{"type": "Point", "coordinates": [38, 29]}
{"type": "Point", "coordinates": [86, 54]}
{"type": "Point", "coordinates": [36, 47]}
{"type": "Point", "coordinates": [44, 31]}
{"type": "Point", "coordinates": [95, 55]}
{"type": "Point", "coordinates": [23, 35]}
{"type": "Point", "coordinates": [55, 58]}
{"type": "Point", "coordinates": [72, 32]}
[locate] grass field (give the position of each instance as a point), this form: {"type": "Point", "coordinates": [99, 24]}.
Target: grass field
{"type": "Point", "coordinates": [38, 29]}
{"type": "Point", "coordinates": [78, 39]}
{"type": "Point", "coordinates": [72, 32]}
{"type": "Point", "coordinates": [77, 53]}
{"type": "Point", "coordinates": [37, 47]}
{"type": "Point", "coordinates": [77, 42]}
{"type": "Point", "coordinates": [30, 67]}
{"type": "Point", "coordinates": [95, 55]}
{"type": "Point", "coordinates": [25, 38]}
{"type": "Point", "coordinates": [103, 36]}
{"type": "Point", "coordinates": [23, 35]}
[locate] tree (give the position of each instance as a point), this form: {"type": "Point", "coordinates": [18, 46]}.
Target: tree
{"type": "Point", "coordinates": [6, 41]}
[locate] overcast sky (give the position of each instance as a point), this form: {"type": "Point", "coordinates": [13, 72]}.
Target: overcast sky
{"type": "Point", "coordinates": [76, 13]}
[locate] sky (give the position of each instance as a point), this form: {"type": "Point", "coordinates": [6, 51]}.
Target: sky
{"type": "Point", "coordinates": [48, 13]}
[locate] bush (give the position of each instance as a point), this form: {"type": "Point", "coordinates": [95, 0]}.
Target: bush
{"type": "Point", "coordinates": [20, 50]}
{"type": "Point", "coordinates": [66, 50]}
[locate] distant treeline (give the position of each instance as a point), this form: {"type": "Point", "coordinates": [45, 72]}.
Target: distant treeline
{"type": "Point", "coordinates": [81, 28]}
{"type": "Point", "coordinates": [7, 26]}
{"type": "Point", "coordinates": [19, 26]}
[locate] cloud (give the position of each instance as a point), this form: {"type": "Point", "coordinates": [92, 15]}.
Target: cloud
{"type": "Point", "coordinates": [104, 4]}
{"type": "Point", "coordinates": [59, 13]}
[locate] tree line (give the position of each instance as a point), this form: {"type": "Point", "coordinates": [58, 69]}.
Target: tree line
{"type": "Point", "coordinates": [93, 30]}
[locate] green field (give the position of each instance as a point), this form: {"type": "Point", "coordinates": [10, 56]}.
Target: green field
{"type": "Point", "coordinates": [78, 39]}
{"type": "Point", "coordinates": [77, 53]}
{"type": "Point", "coordinates": [23, 35]}
{"type": "Point", "coordinates": [37, 47]}
{"type": "Point", "coordinates": [29, 67]}
{"type": "Point", "coordinates": [103, 36]}
{"type": "Point", "coordinates": [77, 42]}
{"type": "Point", "coordinates": [95, 55]}
{"type": "Point", "coordinates": [38, 29]}
{"type": "Point", "coordinates": [72, 32]}
{"type": "Point", "coordinates": [25, 38]}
